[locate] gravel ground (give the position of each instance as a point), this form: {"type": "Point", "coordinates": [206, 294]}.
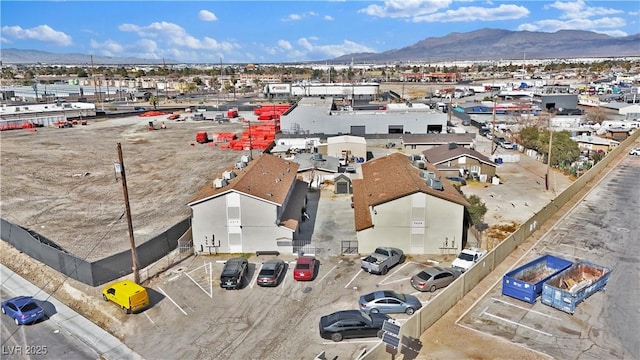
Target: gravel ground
{"type": "Point", "coordinates": [61, 183]}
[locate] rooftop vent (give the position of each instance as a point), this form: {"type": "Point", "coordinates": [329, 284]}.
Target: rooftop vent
{"type": "Point", "coordinates": [219, 183]}
{"type": "Point", "coordinates": [435, 184]}
{"type": "Point", "coordinates": [278, 180]}
{"type": "Point", "coordinates": [228, 175]}
{"type": "Point", "coordinates": [420, 164]}
{"type": "Point", "coordinates": [240, 165]}
{"type": "Point", "coordinates": [453, 145]}
{"type": "Point", "coordinates": [317, 157]}
{"type": "Point", "coordinates": [427, 175]}
{"type": "Point", "coordinates": [245, 158]}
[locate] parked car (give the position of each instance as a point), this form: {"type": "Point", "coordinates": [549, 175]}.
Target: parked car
{"type": "Point", "coordinates": [139, 109]}
{"type": "Point", "coordinates": [467, 258]}
{"type": "Point", "coordinates": [128, 295]}
{"type": "Point", "coordinates": [389, 302]}
{"type": "Point", "coordinates": [635, 151]}
{"type": "Point", "coordinates": [23, 310]}
{"type": "Point", "coordinates": [507, 145]}
{"type": "Point", "coordinates": [434, 277]}
{"type": "Point", "coordinates": [305, 268]}
{"type": "Point", "coordinates": [271, 273]}
{"type": "Point", "coordinates": [381, 260]}
{"type": "Point", "coordinates": [456, 180]}
{"type": "Point", "coordinates": [348, 324]}
{"type": "Point", "coordinates": [233, 273]}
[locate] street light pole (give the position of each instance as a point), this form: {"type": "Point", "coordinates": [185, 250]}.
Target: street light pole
{"type": "Point", "coordinates": [134, 254]}
{"type": "Point", "coordinates": [548, 174]}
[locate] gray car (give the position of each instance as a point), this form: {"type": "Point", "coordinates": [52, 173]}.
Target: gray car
{"type": "Point", "coordinates": [434, 277]}
{"type": "Point", "coordinates": [389, 302]}
{"type": "Point", "coordinates": [271, 273]}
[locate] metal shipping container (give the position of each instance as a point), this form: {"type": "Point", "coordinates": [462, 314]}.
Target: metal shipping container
{"type": "Point", "coordinates": [567, 289]}
{"type": "Point", "coordinates": [525, 282]}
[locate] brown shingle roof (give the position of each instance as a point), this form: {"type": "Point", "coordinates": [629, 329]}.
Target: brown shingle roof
{"type": "Point", "coordinates": [442, 153]}
{"type": "Point", "coordinates": [268, 177]}
{"type": "Point", "coordinates": [392, 177]}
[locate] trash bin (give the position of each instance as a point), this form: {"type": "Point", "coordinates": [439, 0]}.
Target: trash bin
{"type": "Point", "coordinates": [499, 160]}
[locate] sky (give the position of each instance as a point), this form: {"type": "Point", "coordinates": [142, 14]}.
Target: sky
{"type": "Point", "coordinates": [284, 31]}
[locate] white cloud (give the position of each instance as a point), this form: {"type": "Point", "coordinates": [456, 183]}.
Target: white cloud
{"type": "Point", "coordinates": [293, 17]}
{"type": "Point", "coordinates": [578, 15]}
{"type": "Point", "coordinates": [284, 45]}
{"type": "Point", "coordinates": [107, 48]}
{"type": "Point", "coordinates": [176, 36]}
{"type": "Point", "coordinates": [475, 13]}
{"type": "Point", "coordinates": [328, 18]}
{"type": "Point", "coordinates": [206, 15]}
{"type": "Point", "coordinates": [4, 41]}
{"type": "Point", "coordinates": [41, 33]}
{"type": "Point", "coordinates": [405, 8]}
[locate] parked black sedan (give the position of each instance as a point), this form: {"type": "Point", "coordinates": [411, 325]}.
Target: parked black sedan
{"type": "Point", "coordinates": [348, 324]}
{"type": "Point", "coordinates": [271, 273]}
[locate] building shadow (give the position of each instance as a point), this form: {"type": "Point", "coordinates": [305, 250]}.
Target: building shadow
{"type": "Point", "coordinates": [410, 347]}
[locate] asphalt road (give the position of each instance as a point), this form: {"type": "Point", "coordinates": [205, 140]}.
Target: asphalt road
{"type": "Point", "coordinates": [42, 340]}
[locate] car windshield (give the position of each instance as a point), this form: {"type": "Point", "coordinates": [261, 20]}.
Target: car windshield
{"type": "Point", "coordinates": [465, 257]}
{"type": "Point", "coordinates": [29, 307]}
{"type": "Point", "coordinates": [381, 252]}
{"type": "Point", "coordinates": [424, 276]}
{"type": "Point", "coordinates": [366, 316]}
{"type": "Point", "coordinates": [302, 266]}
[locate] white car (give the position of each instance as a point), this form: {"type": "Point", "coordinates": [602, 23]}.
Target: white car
{"type": "Point", "coordinates": [467, 258]}
{"type": "Point", "coordinates": [635, 151]}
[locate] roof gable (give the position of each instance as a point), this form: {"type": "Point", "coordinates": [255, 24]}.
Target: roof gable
{"type": "Point", "coordinates": [392, 177]}
{"type": "Point", "coordinates": [443, 153]}
{"type": "Point", "coordinates": [268, 177]}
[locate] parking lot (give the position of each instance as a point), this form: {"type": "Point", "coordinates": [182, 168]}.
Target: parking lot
{"type": "Point", "coordinates": [192, 317]}
{"type": "Point", "coordinates": [599, 229]}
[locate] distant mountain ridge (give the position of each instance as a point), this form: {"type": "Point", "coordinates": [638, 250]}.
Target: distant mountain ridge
{"type": "Point", "coordinates": [19, 56]}
{"type": "Point", "coordinates": [484, 44]}
{"type": "Point", "coordinates": [496, 44]}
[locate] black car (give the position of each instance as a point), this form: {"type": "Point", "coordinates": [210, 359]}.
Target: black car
{"type": "Point", "coordinates": [271, 273]}
{"type": "Point", "coordinates": [348, 324]}
{"type": "Point", "coordinates": [233, 273]}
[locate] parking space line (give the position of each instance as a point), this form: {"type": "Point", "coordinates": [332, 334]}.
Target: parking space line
{"type": "Point", "coordinates": [354, 277]}
{"type": "Point", "coordinates": [498, 338]}
{"type": "Point", "coordinates": [524, 308]}
{"type": "Point", "coordinates": [514, 323]}
{"type": "Point", "coordinates": [350, 342]}
{"type": "Point", "coordinates": [395, 281]}
{"type": "Point", "coordinates": [170, 299]}
{"type": "Point", "coordinates": [325, 275]}
{"type": "Point", "coordinates": [254, 280]}
{"type": "Point", "coordinates": [395, 272]}
{"type": "Point", "coordinates": [148, 317]}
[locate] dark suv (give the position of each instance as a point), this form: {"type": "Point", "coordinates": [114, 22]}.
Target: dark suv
{"type": "Point", "coordinates": [233, 273]}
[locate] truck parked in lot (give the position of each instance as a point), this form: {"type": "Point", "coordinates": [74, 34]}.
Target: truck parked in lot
{"type": "Point", "coordinates": [467, 258]}
{"type": "Point", "coordinates": [525, 282]}
{"type": "Point", "coordinates": [381, 260]}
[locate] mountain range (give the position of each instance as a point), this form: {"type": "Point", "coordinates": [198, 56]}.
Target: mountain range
{"type": "Point", "coordinates": [496, 44]}
{"type": "Point", "coordinates": [484, 44]}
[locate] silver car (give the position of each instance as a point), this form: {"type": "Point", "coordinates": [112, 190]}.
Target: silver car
{"type": "Point", "coordinates": [389, 302]}
{"type": "Point", "coordinates": [434, 277]}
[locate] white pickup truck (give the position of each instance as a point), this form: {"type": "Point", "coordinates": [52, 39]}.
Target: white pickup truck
{"type": "Point", "coordinates": [381, 260]}
{"type": "Point", "coordinates": [467, 258]}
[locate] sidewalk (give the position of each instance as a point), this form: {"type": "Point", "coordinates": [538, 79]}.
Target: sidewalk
{"type": "Point", "coordinates": [105, 344]}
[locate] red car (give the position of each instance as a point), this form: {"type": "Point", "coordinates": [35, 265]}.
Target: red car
{"type": "Point", "coordinates": [173, 116]}
{"type": "Point", "coordinates": [305, 268]}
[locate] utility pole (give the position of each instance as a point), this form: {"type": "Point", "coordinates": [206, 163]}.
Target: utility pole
{"type": "Point", "coordinates": [134, 254]}
{"type": "Point", "coordinates": [548, 174]}
{"type": "Point", "coordinates": [494, 146]}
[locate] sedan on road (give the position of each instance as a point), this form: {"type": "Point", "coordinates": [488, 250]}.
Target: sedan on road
{"type": "Point", "coordinates": [389, 302]}
{"type": "Point", "coordinates": [305, 268]}
{"type": "Point", "coordinates": [348, 324]}
{"type": "Point", "coordinates": [23, 310]}
{"type": "Point", "coordinates": [271, 273]}
{"type": "Point", "coordinates": [434, 277]}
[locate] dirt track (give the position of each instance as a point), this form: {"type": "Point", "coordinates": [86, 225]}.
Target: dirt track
{"type": "Point", "coordinates": [61, 183]}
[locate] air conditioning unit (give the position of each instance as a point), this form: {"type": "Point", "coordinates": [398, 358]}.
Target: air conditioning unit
{"type": "Point", "coordinates": [245, 158]}
{"type": "Point", "coordinates": [435, 184]}
{"type": "Point", "coordinates": [427, 175]}
{"type": "Point", "coordinates": [219, 183]}
{"type": "Point", "coordinates": [228, 175]}
{"type": "Point", "coordinates": [241, 165]}
{"type": "Point", "coordinates": [419, 164]}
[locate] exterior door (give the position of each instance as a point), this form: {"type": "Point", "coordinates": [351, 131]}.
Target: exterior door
{"type": "Point", "coordinates": [234, 222]}
{"type": "Point", "coordinates": [357, 130]}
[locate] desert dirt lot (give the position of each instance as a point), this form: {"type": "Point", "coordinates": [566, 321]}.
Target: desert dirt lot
{"type": "Point", "coordinates": [61, 183]}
